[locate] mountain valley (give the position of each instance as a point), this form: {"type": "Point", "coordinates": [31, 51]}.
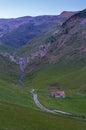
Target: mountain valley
{"type": "Point", "coordinates": [47, 54]}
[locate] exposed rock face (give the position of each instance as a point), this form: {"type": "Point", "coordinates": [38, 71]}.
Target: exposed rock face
{"type": "Point", "coordinates": [68, 43]}
{"type": "Point", "coordinates": [23, 61]}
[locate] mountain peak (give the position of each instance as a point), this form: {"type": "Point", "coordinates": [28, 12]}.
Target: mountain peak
{"type": "Point", "coordinates": [67, 13]}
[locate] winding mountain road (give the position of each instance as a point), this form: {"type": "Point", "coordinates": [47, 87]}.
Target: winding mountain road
{"type": "Point", "coordinates": [40, 105]}
{"type": "Point", "coordinates": [35, 98]}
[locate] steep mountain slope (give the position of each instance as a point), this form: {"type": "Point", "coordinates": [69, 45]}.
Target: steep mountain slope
{"type": "Point", "coordinates": [65, 15]}
{"type": "Point", "coordinates": [26, 32]}
{"type": "Point", "coordinates": [7, 25]}
{"type": "Point", "coordinates": [71, 43]}
{"type": "Point", "coordinates": [17, 32]}
{"type": "Point", "coordinates": [66, 45]}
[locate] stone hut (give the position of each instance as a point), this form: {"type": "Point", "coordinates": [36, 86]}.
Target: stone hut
{"type": "Point", "coordinates": [58, 94]}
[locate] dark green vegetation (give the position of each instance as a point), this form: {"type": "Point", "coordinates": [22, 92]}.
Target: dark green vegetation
{"type": "Point", "coordinates": [62, 68]}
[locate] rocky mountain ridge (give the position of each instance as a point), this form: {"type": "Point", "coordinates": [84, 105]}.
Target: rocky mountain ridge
{"type": "Point", "coordinates": [67, 44]}
{"type": "Point", "coordinates": [40, 52]}
{"type": "Point", "coordinates": [17, 32]}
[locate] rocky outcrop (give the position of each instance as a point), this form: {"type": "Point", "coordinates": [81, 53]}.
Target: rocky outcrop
{"type": "Point", "coordinates": [40, 52]}
{"type": "Point", "coordinates": [23, 61]}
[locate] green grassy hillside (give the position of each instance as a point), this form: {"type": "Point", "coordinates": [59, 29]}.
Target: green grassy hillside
{"type": "Point", "coordinates": [70, 79]}
{"type": "Point", "coordinates": [17, 108]}
{"type": "Point", "coordinates": [8, 70]}
{"type": "Point", "coordinates": [19, 112]}
{"type": "Point", "coordinates": [14, 117]}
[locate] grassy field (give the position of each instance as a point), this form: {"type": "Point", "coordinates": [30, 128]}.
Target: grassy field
{"type": "Point", "coordinates": [15, 94]}
{"type": "Point", "coordinates": [8, 71]}
{"type": "Point", "coordinates": [70, 80]}
{"type": "Point", "coordinates": [15, 117]}
{"type": "Point", "coordinates": [18, 110]}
